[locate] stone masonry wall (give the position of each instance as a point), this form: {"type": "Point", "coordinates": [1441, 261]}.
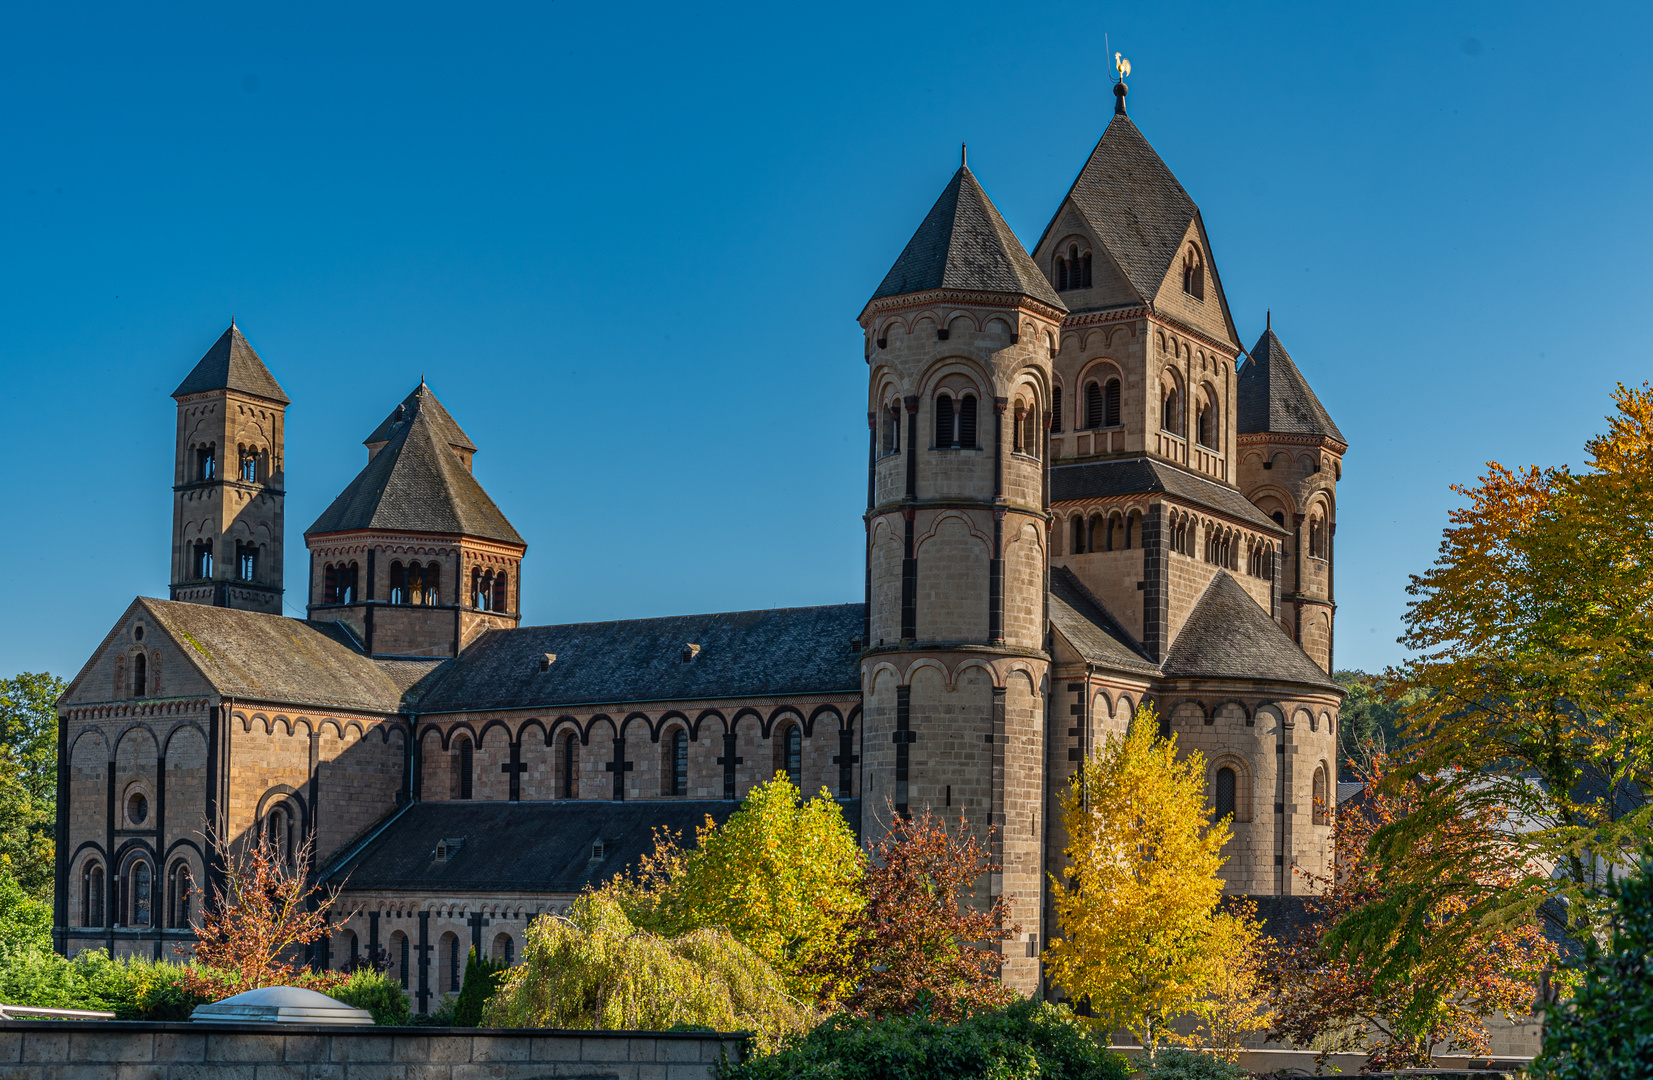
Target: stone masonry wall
{"type": "Point", "coordinates": [56, 1050]}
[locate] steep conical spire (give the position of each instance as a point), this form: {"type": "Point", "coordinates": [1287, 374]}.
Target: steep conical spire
{"type": "Point", "coordinates": [1274, 396]}
{"type": "Point", "coordinates": [422, 400]}
{"type": "Point", "coordinates": [231, 364]}
{"type": "Point", "coordinates": [964, 243]}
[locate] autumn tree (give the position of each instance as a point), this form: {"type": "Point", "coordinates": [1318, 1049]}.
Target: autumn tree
{"type": "Point", "coordinates": [28, 779]}
{"type": "Point", "coordinates": [261, 910]}
{"type": "Point", "coordinates": [1237, 1004]}
{"type": "Point", "coordinates": [1443, 974]}
{"type": "Point", "coordinates": [1533, 648]}
{"type": "Point", "coordinates": [781, 874]}
{"type": "Point", "coordinates": [922, 945]}
{"type": "Point", "coordinates": [1144, 935]}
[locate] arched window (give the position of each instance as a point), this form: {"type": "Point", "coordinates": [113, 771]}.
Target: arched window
{"type": "Point", "coordinates": [1227, 782]}
{"type": "Point", "coordinates": [793, 747]}
{"type": "Point", "coordinates": [347, 584]}
{"type": "Point", "coordinates": [92, 911]}
{"type": "Point", "coordinates": [1110, 404]}
{"type": "Point", "coordinates": [278, 831]}
{"type": "Point", "coordinates": [1095, 533]}
{"type": "Point", "coordinates": [1056, 408]}
{"type": "Point", "coordinates": [568, 785]}
{"type": "Point", "coordinates": [1073, 271]}
{"type": "Point", "coordinates": [1322, 813]}
{"type": "Point", "coordinates": [1019, 428]}
{"type": "Point", "coordinates": [1206, 419]}
{"type": "Point", "coordinates": [1133, 528]}
{"type": "Point", "coordinates": [1094, 407]}
{"type": "Point", "coordinates": [399, 957]}
{"type": "Point", "coordinates": [433, 584]}
{"type": "Point", "coordinates": [139, 891]}
{"type": "Point", "coordinates": [249, 465]}
{"type": "Point", "coordinates": [892, 428]}
{"type": "Point", "coordinates": [462, 761]}
{"type": "Point", "coordinates": [206, 462]}
{"type": "Point", "coordinates": [1314, 537]}
{"type": "Point", "coordinates": [398, 583]}
{"type": "Point", "coordinates": [674, 763]}
{"type": "Point", "coordinates": [330, 585]}
{"type": "Point", "coordinates": [180, 890]}
{"type": "Point", "coordinates": [351, 946]}
{"type": "Point", "coordinates": [501, 600]}
{"type": "Point", "coordinates": [967, 421]}
{"type": "Point", "coordinates": [447, 963]}
{"type": "Point", "coordinates": [1061, 273]}
{"type": "Point", "coordinates": [201, 564]}
{"type": "Point", "coordinates": [1170, 415]}
{"type": "Point", "coordinates": [140, 675]}
{"type": "Point", "coordinates": [1193, 273]}
{"type": "Point", "coordinates": [482, 593]}
{"type": "Point", "coordinates": [945, 428]}
{"type": "Point", "coordinates": [1078, 534]}
{"type": "Point", "coordinates": [1085, 270]}
{"type": "Point", "coordinates": [246, 561]}
{"type": "Point", "coordinates": [505, 950]}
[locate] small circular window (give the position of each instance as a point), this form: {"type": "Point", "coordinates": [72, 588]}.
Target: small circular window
{"type": "Point", "coordinates": [137, 808]}
{"type": "Point", "coordinates": [137, 632]}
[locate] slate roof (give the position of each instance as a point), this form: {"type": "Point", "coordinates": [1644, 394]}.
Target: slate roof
{"type": "Point", "coordinates": [964, 243]}
{"type": "Point", "coordinates": [1228, 636]}
{"type": "Point", "coordinates": [231, 364]}
{"type": "Point", "coordinates": [418, 484]}
{"type": "Point", "coordinates": [421, 400]}
{"type": "Point", "coordinates": [249, 654]}
{"type": "Point", "coordinates": [1274, 396]}
{"type": "Point", "coordinates": [542, 847]}
{"type": "Point", "coordinates": [1134, 476]}
{"type": "Point", "coordinates": [1080, 618]}
{"type": "Point", "coordinates": [742, 654]}
{"type": "Point", "coordinates": [1134, 204]}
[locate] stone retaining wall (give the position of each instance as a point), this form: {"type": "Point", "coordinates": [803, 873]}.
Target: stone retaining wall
{"type": "Point", "coordinates": [116, 1050]}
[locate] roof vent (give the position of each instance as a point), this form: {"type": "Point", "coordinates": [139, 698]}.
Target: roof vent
{"type": "Point", "coordinates": [546, 661]}
{"type": "Point", "coordinates": [448, 847]}
{"type": "Point", "coordinates": [855, 643]}
{"type": "Point", "coordinates": [690, 651]}
{"type": "Point", "coordinates": [596, 849]}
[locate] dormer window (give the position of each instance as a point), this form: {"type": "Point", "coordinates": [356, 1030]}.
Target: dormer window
{"type": "Point", "coordinates": [1193, 273]}
{"type": "Point", "coordinates": [1073, 270]}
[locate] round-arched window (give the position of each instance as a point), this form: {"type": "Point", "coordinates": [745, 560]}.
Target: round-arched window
{"type": "Point", "coordinates": [1226, 784]}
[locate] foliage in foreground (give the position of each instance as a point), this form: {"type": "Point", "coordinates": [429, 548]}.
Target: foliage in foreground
{"type": "Point", "coordinates": [482, 979]}
{"type": "Point", "coordinates": [1532, 640]}
{"type": "Point", "coordinates": [919, 947]}
{"type": "Point", "coordinates": [594, 969]}
{"type": "Point", "coordinates": [781, 875]}
{"type": "Point", "coordinates": [377, 993]}
{"type": "Point", "coordinates": [1606, 1031]}
{"type": "Point", "coordinates": [1144, 935]}
{"type": "Point", "coordinates": [1370, 723]}
{"type": "Point", "coordinates": [1443, 974]}
{"type": "Point", "coordinates": [1175, 1063]}
{"type": "Point", "coordinates": [28, 779]}
{"type": "Point", "coordinates": [1028, 1039]}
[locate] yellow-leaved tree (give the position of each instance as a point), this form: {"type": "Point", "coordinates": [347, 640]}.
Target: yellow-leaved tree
{"type": "Point", "coordinates": [782, 875]}
{"type": "Point", "coordinates": [1144, 937]}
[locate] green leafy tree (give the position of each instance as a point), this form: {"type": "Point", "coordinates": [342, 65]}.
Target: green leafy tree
{"type": "Point", "coordinates": [482, 978]}
{"type": "Point", "coordinates": [1532, 642]}
{"type": "Point", "coordinates": [28, 778]}
{"type": "Point", "coordinates": [25, 922]}
{"type": "Point", "coordinates": [1605, 1032]}
{"type": "Point", "coordinates": [782, 875]}
{"type": "Point", "coordinates": [1369, 724]}
{"type": "Point", "coordinates": [1144, 935]}
{"type": "Point", "coordinates": [594, 969]}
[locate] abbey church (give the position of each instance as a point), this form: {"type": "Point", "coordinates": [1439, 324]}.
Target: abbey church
{"type": "Point", "coordinates": [1083, 494]}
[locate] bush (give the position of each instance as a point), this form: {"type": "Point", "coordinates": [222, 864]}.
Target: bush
{"type": "Point", "coordinates": [133, 989]}
{"type": "Point", "coordinates": [1174, 1063]}
{"type": "Point", "coordinates": [379, 995]}
{"type": "Point", "coordinates": [1028, 1039]}
{"type": "Point", "coordinates": [1606, 1030]}
{"type": "Point", "coordinates": [482, 978]}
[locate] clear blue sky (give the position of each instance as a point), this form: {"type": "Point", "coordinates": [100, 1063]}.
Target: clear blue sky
{"type": "Point", "coordinates": [627, 245]}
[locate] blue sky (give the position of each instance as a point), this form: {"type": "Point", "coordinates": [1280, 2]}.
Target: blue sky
{"type": "Point", "coordinates": [627, 246]}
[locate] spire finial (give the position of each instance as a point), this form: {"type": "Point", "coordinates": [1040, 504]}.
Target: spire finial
{"type": "Point", "coordinates": [1122, 69]}
{"type": "Point", "coordinates": [1268, 320]}
{"type": "Point", "coordinates": [964, 156]}
{"type": "Point", "coordinates": [232, 320]}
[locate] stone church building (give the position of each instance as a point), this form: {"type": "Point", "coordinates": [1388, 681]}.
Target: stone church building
{"type": "Point", "coordinates": [1083, 494]}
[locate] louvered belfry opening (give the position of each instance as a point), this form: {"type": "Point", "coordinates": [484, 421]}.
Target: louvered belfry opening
{"type": "Point", "coordinates": [944, 421]}
{"type": "Point", "coordinates": [1094, 407]}
{"type": "Point", "coordinates": [967, 422]}
{"type": "Point", "coordinates": [1110, 404]}
{"type": "Point", "coordinates": [1056, 408]}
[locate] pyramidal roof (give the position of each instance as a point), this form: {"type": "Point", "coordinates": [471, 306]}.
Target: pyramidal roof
{"type": "Point", "coordinates": [417, 483]}
{"type": "Point", "coordinates": [965, 244]}
{"type": "Point", "coordinates": [1274, 396]}
{"type": "Point", "coordinates": [422, 400]}
{"type": "Point", "coordinates": [231, 364]}
{"type": "Point", "coordinates": [1228, 636]}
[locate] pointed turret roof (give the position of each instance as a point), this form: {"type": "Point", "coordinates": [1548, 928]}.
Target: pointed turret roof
{"type": "Point", "coordinates": [1274, 396]}
{"type": "Point", "coordinates": [422, 400]}
{"type": "Point", "coordinates": [1134, 204]}
{"type": "Point", "coordinates": [231, 364]}
{"type": "Point", "coordinates": [1228, 636]}
{"type": "Point", "coordinates": [964, 243]}
{"type": "Point", "coordinates": [417, 483]}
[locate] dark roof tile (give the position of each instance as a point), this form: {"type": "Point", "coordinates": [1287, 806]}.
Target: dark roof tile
{"type": "Point", "coordinates": [964, 243]}
{"type": "Point", "coordinates": [1228, 636]}
{"type": "Point", "coordinates": [231, 364]}
{"type": "Point", "coordinates": [1097, 479]}
{"type": "Point", "coordinates": [422, 399]}
{"type": "Point", "coordinates": [1088, 626]}
{"type": "Point", "coordinates": [1274, 396]}
{"type": "Point", "coordinates": [742, 654]}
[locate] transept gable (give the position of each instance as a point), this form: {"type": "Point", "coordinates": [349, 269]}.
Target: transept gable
{"type": "Point", "coordinates": [1191, 292]}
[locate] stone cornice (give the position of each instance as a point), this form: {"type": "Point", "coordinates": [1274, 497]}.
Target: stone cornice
{"type": "Point", "coordinates": [961, 298]}
{"type": "Point", "coordinates": [1261, 438]}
